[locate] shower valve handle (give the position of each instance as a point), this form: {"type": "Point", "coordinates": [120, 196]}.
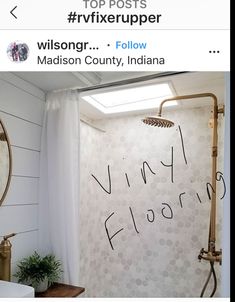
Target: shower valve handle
{"type": "Point", "coordinates": [200, 256]}
{"type": "Point", "coordinates": [216, 256]}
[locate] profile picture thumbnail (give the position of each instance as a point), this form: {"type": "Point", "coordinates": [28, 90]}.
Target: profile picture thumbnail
{"type": "Point", "coordinates": [18, 51]}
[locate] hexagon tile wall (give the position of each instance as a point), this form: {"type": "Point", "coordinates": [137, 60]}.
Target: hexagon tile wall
{"type": "Point", "coordinates": [144, 209]}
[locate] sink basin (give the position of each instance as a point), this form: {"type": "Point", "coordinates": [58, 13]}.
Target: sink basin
{"type": "Point", "coordinates": [15, 290]}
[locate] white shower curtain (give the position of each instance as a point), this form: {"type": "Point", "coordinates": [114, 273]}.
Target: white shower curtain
{"type": "Point", "coordinates": [59, 183]}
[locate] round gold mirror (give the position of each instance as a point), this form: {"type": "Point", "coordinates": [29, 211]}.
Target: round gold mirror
{"type": "Point", "coordinates": [5, 162]}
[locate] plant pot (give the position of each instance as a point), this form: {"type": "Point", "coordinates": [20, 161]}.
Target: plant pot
{"type": "Point", "coordinates": [42, 286]}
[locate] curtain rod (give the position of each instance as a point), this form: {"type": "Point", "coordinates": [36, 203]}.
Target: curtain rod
{"type": "Point", "coordinates": [130, 81]}
{"type": "Point", "coordinates": [91, 125]}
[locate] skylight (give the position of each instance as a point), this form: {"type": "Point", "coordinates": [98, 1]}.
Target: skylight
{"type": "Point", "coordinates": [131, 99]}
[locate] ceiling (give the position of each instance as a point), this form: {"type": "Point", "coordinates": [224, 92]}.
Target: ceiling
{"type": "Point", "coordinates": [185, 83]}
{"type": "Point", "coordinates": [49, 81]}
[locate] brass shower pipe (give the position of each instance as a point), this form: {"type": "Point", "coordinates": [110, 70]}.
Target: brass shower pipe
{"type": "Point", "coordinates": [211, 255]}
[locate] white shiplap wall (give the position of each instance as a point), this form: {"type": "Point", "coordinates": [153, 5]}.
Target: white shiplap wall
{"type": "Point", "coordinates": [21, 110]}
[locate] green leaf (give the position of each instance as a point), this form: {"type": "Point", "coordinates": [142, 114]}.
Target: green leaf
{"type": "Point", "coordinates": [35, 269]}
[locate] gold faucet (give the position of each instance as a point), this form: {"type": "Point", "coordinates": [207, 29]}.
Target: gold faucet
{"type": "Point", "coordinates": [5, 257]}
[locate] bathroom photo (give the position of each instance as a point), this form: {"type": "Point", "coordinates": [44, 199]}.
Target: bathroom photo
{"type": "Point", "coordinates": [114, 184]}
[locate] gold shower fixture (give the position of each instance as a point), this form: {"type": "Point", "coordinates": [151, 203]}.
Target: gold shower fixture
{"type": "Point", "coordinates": [210, 254]}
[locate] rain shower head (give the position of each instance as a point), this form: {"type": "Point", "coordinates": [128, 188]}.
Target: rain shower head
{"type": "Point", "coordinates": [158, 122]}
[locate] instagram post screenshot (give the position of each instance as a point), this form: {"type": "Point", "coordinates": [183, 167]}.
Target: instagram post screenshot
{"type": "Point", "coordinates": [115, 150]}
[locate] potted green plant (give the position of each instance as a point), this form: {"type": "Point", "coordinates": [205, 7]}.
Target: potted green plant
{"type": "Point", "coordinates": [39, 272]}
